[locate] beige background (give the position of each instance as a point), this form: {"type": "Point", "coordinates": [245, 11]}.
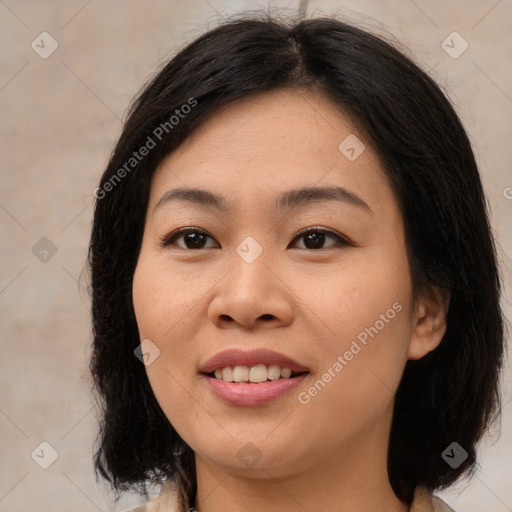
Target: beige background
{"type": "Point", "coordinates": [60, 118]}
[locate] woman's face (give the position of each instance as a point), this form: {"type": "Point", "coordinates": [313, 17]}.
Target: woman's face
{"type": "Point", "coordinates": [338, 304]}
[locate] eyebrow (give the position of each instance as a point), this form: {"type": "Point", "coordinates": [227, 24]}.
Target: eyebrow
{"type": "Point", "coordinates": [286, 200]}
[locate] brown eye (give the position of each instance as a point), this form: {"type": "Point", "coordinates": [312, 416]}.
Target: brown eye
{"type": "Point", "coordinates": [314, 238]}
{"type": "Point", "coordinates": [193, 238]}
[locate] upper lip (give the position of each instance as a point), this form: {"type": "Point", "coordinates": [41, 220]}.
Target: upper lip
{"type": "Point", "coordinates": [234, 357]}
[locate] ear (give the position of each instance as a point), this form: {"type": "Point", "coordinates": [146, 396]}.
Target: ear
{"type": "Point", "coordinates": [430, 323]}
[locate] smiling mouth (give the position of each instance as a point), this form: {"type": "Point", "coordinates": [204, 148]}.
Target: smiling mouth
{"type": "Point", "coordinates": [254, 374]}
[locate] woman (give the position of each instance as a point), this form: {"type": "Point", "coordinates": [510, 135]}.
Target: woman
{"type": "Point", "coordinates": [294, 282]}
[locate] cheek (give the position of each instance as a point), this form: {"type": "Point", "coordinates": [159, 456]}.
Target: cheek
{"type": "Point", "coordinates": [360, 372]}
{"type": "Point", "coordinates": [355, 295]}
{"type": "Point", "coordinates": [164, 297]}
{"type": "Point", "coordinates": [366, 314]}
{"type": "Point", "coordinates": [167, 305]}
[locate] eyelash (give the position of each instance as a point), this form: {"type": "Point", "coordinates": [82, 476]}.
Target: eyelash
{"type": "Point", "coordinates": [172, 237]}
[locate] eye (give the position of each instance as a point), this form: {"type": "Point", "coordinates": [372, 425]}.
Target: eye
{"type": "Point", "coordinates": [315, 237]}
{"type": "Point", "coordinates": [194, 238]}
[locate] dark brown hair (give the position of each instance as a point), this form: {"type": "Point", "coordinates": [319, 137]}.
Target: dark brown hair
{"type": "Point", "coordinates": [452, 394]}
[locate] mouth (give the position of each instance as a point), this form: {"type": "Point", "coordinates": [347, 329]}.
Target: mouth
{"type": "Point", "coordinates": [250, 378]}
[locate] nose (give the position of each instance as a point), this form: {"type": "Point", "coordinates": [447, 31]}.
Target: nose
{"type": "Point", "coordinates": [251, 294]}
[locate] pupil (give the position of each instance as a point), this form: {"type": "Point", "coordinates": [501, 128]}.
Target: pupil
{"type": "Point", "coordinates": [196, 238]}
{"type": "Point", "coordinates": [316, 238]}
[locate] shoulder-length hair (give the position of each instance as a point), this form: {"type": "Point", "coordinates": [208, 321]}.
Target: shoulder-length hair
{"type": "Point", "coordinates": [451, 394]}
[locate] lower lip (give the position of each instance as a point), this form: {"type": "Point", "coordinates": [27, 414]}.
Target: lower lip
{"type": "Point", "coordinates": [247, 394]}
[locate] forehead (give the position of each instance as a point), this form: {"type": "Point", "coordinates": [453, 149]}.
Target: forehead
{"type": "Point", "coordinates": [262, 145]}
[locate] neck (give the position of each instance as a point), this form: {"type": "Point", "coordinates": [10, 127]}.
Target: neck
{"type": "Point", "coordinates": [351, 477]}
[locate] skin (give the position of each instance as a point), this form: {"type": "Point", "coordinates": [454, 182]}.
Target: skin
{"type": "Point", "coordinates": [309, 304]}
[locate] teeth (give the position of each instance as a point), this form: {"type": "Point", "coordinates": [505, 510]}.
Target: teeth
{"type": "Point", "coordinates": [257, 373]}
{"type": "Point", "coordinates": [274, 372]}
{"type": "Point", "coordinates": [240, 373]}
{"type": "Point", "coordinates": [225, 374]}
{"type": "Point", "coordinates": [285, 373]}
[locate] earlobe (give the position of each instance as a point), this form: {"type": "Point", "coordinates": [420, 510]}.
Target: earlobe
{"type": "Point", "coordinates": [430, 324]}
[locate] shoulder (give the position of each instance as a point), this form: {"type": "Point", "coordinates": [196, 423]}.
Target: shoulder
{"type": "Point", "coordinates": [425, 501]}
{"type": "Point", "coordinates": [166, 501]}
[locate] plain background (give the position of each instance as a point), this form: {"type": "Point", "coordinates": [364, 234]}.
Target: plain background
{"type": "Point", "coordinates": [60, 118]}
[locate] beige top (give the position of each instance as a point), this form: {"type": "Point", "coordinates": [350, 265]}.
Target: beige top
{"type": "Point", "coordinates": [423, 501]}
